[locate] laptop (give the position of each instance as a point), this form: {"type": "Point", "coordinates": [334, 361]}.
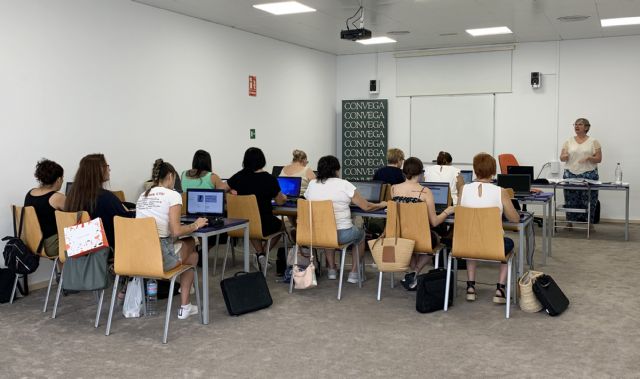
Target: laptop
{"type": "Point", "coordinates": [521, 170]}
{"type": "Point", "coordinates": [440, 191]}
{"type": "Point", "coordinates": [67, 188]}
{"type": "Point", "coordinates": [520, 183]}
{"type": "Point", "coordinates": [371, 191]}
{"type": "Point", "coordinates": [467, 176]}
{"type": "Point", "coordinates": [276, 170]}
{"type": "Point", "coordinates": [290, 187]}
{"type": "Point", "coordinates": [207, 203]}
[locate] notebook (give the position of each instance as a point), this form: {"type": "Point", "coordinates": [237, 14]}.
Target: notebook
{"type": "Point", "coordinates": [290, 187]}
{"type": "Point", "coordinates": [520, 183]}
{"type": "Point", "coordinates": [371, 191]}
{"type": "Point", "coordinates": [207, 203]}
{"type": "Point", "coordinates": [467, 176]}
{"type": "Point", "coordinates": [440, 191]}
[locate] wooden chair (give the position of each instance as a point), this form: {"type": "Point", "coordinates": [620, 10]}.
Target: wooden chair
{"type": "Point", "coordinates": [506, 160]}
{"type": "Point", "coordinates": [478, 235]}
{"type": "Point", "coordinates": [246, 207]}
{"type": "Point", "coordinates": [386, 192]}
{"type": "Point", "coordinates": [119, 195]}
{"type": "Point", "coordinates": [63, 220]}
{"type": "Point", "coordinates": [183, 211]}
{"type": "Point", "coordinates": [138, 253]}
{"type": "Point", "coordinates": [325, 234]}
{"type": "Point", "coordinates": [31, 236]}
{"type": "Point", "coordinates": [414, 225]}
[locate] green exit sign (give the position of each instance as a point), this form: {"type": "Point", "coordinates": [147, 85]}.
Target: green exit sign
{"type": "Point", "coordinates": [252, 133]}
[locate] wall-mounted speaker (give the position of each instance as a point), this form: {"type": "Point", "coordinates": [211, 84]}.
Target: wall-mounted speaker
{"type": "Point", "coordinates": [374, 86]}
{"type": "Point", "coordinates": [536, 79]}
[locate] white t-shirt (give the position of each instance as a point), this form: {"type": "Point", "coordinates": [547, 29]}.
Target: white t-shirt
{"type": "Point", "coordinates": [337, 190]}
{"type": "Point", "coordinates": [491, 196]}
{"type": "Point", "coordinates": [578, 151]}
{"type": "Point", "coordinates": [157, 205]}
{"type": "Point", "coordinates": [444, 174]}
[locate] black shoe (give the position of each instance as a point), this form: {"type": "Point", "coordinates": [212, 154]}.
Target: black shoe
{"type": "Point", "coordinates": [409, 282]}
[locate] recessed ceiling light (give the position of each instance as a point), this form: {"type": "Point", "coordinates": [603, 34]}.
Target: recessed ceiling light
{"type": "Point", "coordinates": [376, 40]}
{"type": "Point", "coordinates": [620, 21]}
{"type": "Point", "coordinates": [284, 7]}
{"type": "Point", "coordinates": [572, 18]}
{"type": "Point", "coordinates": [489, 31]}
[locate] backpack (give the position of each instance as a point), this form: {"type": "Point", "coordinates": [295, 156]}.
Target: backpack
{"type": "Point", "coordinates": [17, 256]}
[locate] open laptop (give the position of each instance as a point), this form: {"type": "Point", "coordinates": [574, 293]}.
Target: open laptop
{"type": "Point", "coordinates": [521, 170]}
{"type": "Point", "coordinates": [290, 187]}
{"type": "Point", "coordinates": [520, 183]}
{"type": "Point", "coordinates": [371, 191]}
{"type": "Point", "coordinates": [276, 170]}
{"type": "Point", "coordinates": [207, 203]}
{"type": "Point", "coordinates": [467, 176]}
{"type": "Point", "coordinates": [440, 191]}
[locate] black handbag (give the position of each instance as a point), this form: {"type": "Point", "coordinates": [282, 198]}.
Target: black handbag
{"type": "Point", "coordinates": [431, 291]}
{"type": "Point", "coordinates": [245, 292]}
{"type": "Point", "coordinates": [7, 278]}
{"type": "Point", "coordinates": [551, 297]}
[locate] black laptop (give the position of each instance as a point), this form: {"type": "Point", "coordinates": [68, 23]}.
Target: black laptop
{"type": "Point", "coordinates": [371, 191]}
{"type": "Point", "coordinates": [440, 191]}
{"type": "Point", "coordinates": [520, 183]}
{"type": "Point", "coordinates": [207, 203]}
{"type": "Point", "coordinates": [467, 176]}
{"type": "Point", "coordinates": [276, 170]}
{"type": "Point", "coordinates": [290, 187]}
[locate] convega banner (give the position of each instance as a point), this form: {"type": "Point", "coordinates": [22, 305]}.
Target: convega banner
{"type": "Point", "coordinates": [364, 138]}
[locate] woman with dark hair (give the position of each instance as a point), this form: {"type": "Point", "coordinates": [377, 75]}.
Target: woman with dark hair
{"type": "Point", "coordinates": [328, 186]}
{"type": "Point", "coordinates": [201, 175]}
{"type": "Point", "coordinates": [253, 180]}
{"type": "Point", "coordinates": [88, 194]}
{"type": "Point", "coordinates": [444, 172]}
{"type": "Point", "coordinates": [164, 204]}
{"type": "Point", "coordinates": [46, 199]}
{"type": "Point", "coordinates": [412, 192]}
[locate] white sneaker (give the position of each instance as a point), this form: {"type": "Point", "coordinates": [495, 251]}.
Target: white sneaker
{"type": "Point", "coordinates": [254, 262]}
{"type": "Point", "coordinates": [262, 261]}
{"type": "Point", "coordinates": [187, 310]}
{"type": "Point", "coordinates": [332, 274]}
{"type": "Point", "coordinates": [353, 277]}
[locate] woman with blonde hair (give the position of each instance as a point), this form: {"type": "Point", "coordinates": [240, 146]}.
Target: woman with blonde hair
{"type": "Point", "coordinates": [392, 172]}
{"type": "Point", "coordinates": [298, 168]}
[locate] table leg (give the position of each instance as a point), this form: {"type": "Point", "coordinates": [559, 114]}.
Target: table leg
{"type": "Point", "coordinates": [550, 223]}
{"type": "Point", "coordinates": [626, 215]}
{"type": "Point", "coordinates": [205, 281]}
{"type": "Point", "coordinates": [545, 235]}
{"type": "Point", "coordinates": [246, 247]}
{"type": "Point", "coordinates": [521, 245]}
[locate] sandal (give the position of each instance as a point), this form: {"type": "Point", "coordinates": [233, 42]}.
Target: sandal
{"type": "Point", "coordinates": [471, 290]}
{"type": "Point", "coordinates": [500, 297]}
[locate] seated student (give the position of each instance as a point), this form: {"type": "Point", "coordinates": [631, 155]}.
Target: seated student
{"type": "Point", "coordinates": [443, 171]}
{"type": "Point", "coordinates": [392, 172]}
{"type": "Point", "coordinates": [164, 204]}
{"type": "Point", "coordinates": [298, 168]}
{"type": "Point", "coordinates": [200, 175]}
{"type": "Point", "coordinates": [412, 192]}
{"type": "Point", "coordinates": [483, 194]}
{"type": "Point", "coordinates": [253, 180]}
{"type": "Point", "coordinates": [328, 186]}
{"type": "Point", "coordinates": [46, 199]}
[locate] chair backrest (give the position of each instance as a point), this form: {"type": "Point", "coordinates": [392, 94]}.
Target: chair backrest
{"type": "Point", "coordinates": [386, 192]}
{"type": "Point", "coordinates": [478, 234]}
{"type": "Point", "coordinates": [245, 207]}
{"type": "Point", "coordinates": [414, 224]}
{"type": "Point", "coordinates": [31, 232]}
{"type": "Point", "coordinates": [325, 231]}
{"type": "Point", "coordinates": [184, 203]}
{"type": "Point", "coordinates": [506, 160]}
{"type": "Point", "coordinates": [63, 220]}
{"type": "Point", "coordinates": [119, 195]}
{"type": "Point", "coordinates": [137, 250]}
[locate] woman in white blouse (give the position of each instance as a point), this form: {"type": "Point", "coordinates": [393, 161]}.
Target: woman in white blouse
{"type": "Point", "coordinates": [581, 155]}
{"type": "Point", "coordinates": [444, 172]}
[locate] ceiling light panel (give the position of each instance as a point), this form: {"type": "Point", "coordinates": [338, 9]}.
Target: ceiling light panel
{"type": "Point", "coordinates": [284, 7]}
{"type": "Point", "coordinates": [376, 40]}
{"type": "Point", "coordinates": [489, 31]}
{"type": "Point", "coordinates": [622, 21]}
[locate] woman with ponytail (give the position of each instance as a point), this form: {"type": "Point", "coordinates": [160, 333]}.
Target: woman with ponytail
{"type": "Point", "coordinates": [444, 172]}
{"type": "Point", "coordinates": [164, 204]}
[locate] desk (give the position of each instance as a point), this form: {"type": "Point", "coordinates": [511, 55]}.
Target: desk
{"type": "Point", "coordinates": [595, 187]}
{"type": "Point", "coordinates": [203, 233]}
{"type": "Point", "coordinates": [546, 200]}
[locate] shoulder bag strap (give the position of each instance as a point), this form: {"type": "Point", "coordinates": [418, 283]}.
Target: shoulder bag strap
{"type": "Point", "coordinates": [398, 223]}
{"type": "Point", "coordinates": [19, 235]}
{"type": "Point", "coordinates": [311, 227]}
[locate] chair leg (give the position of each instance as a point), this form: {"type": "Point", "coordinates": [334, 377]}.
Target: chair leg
{"type": "Point", "coordinates": [198, 301]}
{"type": "Point", "coordinates": [59, 289]}
{"type": "Point", "coordinates": [215, 259]}
{"type": "Point", "coordinates": [13, 291]}
{"type": "Point", "coordinates": [266, 254]}
{"type": "Point", "coordinates": [355, 250]}
{"type": "Point", "coordinates": [344, 253]}
{"type": "Point", "coordinates": [437, 263]}
{"type": "Point", "coordinates": [393, 280]}
{"type": "Point", "coordinates": [99, 308]}
{"type": "Point", "coordinates": [226, 254]}
{"type": "Point", "coordinates": [167, 317]}
{"type": "Point", "coordinates": [380, 284]}
{"type": "Point", "coordinates": [508, 308]}
{"type": "Point", "coordinates": [114, 294]}
{"type": "Point", "coordinates": [46, 298]}
{"type": "Point", "coordinates": [447, 284]}
{"type": "Point", "coordinates": [295, 248]}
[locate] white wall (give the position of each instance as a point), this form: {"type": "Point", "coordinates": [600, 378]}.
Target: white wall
{"type": "Point", "coordinates": [598, 79]}
{"type": "Point", "coordinates": [137, 83]}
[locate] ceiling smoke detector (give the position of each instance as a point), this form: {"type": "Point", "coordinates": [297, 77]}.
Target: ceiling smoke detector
{"type": "Point", "coordinates": [573, 18]}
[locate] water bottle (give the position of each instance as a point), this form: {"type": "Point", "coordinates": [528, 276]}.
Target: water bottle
{"type": "Point", "coordinates": [618, 174]}
{"type": "Point", "coordinates": [152, 297]}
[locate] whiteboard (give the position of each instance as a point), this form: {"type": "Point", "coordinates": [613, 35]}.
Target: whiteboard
{"type": "Point", "coordinates": [462, 125]}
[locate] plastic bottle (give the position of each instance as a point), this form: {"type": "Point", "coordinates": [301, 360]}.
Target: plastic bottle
{"type": "Point", "coordinates": [152, 297]}
{"type": "Point", "coordinates": [618, 174]}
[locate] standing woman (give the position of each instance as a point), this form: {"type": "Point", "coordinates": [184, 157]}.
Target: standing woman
{"type": "Point", "coordinates": [200, 175]}
{"type": "Point", "coordinates": [581, 155]}
{"type": "Point", "coordinates": [298, 168]}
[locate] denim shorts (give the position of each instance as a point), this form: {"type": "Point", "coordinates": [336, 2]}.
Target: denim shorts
{"type": "Point", "coordinates": [170, 252]}
{"type": "Point", "coordinates": [353, 234]}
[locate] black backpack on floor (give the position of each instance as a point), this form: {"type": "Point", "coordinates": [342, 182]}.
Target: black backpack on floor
{"type": "Point", "coordinates": [17, 256]}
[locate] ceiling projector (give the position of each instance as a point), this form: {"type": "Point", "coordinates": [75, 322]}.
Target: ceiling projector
{"type": "Point", "coordinates": [355, 34]}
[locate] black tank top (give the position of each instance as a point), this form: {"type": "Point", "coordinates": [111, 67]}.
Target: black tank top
{"type": "Point", "coordinates": [44, 211]}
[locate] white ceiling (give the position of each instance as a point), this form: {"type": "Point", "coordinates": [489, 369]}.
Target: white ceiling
{"type": "Point", "coordinates": [431, 23]}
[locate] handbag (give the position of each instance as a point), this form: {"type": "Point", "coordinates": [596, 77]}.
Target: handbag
{"type": "Point", "coordinates": [17, 256]}
{"type": "Point", "coordinates": [305, 277]}
{"type": "Point", "coordinates": [528, 301]}
{"type": "Point", "coordinates": [245, 292]}
{"type": "Point", "coordinates": [431, 290]}
{"type": "Point", "coordinates": [392, 254]}
{"type": "Point", "coordinates": [551, 297]}
{"type": "Point", "coordinates": [84, 238]}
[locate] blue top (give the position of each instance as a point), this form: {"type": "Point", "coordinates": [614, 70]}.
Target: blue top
{"type": "Point", "coordinates": [389, 174]}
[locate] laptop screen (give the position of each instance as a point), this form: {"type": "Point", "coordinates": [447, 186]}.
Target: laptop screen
{"type": "Point", "coordinates": [276, 170]}
{"type": "Point", "coordinates": [439, 190]}
{"type": "Point", "coordinates": [371, 191]}
{"type": "Point", "coordinates": [519, 183]}
{"type": "Point", "coordinates": [521, 170]}
{"type": "Point", "coordinates": [205, 202]}
{"type": "Point", "coordinates": [467, 176]}
{"type": "Point", "coordinates": [67, 188]}
{"type": "Point", "coordinates": [290, 186]}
